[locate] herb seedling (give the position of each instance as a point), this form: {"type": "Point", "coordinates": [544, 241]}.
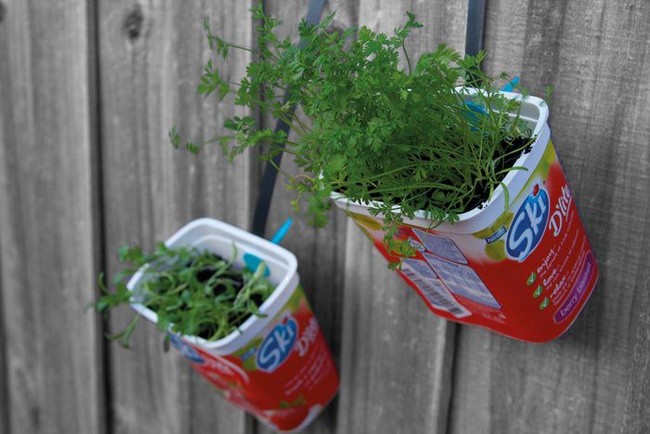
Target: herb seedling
{"type": "Point", "coordinates": [194, 293]}
{"type": "Point", "coordinates": [399, 136]}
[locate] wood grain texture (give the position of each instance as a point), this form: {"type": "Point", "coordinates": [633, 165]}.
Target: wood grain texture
{"type": "Point", "coordinates": [395, 355]}
{"type": "Point", "coordinates": [320, 252]}
{"type": "Point", "coordinates": [329, 261]}
{"type": "Point", "coordinates": [597, 378]}
{"type": "Point", "coordinates": [402, 369]}
{"type": "Point", "coordinates": [151, 57]}
{"type": "Point", "coordinates": [4, 400]}
{"type": "Point", "coordinates": [443, 22]}
{"type": "Point", "coordinates": [47, 219]}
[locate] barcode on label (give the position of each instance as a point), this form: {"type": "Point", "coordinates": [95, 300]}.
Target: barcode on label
{"type": "Point", "coordinates": [436, 294]}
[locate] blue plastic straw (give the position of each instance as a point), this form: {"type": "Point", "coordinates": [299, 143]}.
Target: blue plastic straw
{"type": "Point", "coordinates": [252, 261]}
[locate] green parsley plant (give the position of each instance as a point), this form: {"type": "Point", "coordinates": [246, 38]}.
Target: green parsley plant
{"type": "Point", "coordinates": [399, 136]}
{"type": "Point", "coordinates": [194, 293]}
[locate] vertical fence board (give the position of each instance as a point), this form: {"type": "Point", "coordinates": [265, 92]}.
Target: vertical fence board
{"type": "Point", "coordinates": [325, 258]}
{"type": "Point", "coordinates": [4, 92]}
{"type": "Point", "coordinates": [151, 59]}
{"type": "Point", "coordinates": [47, 219]}
{"type": "Point", "coordinates": [597, 377]}
{"type": "Point", "coordinates": [395, 355]}
{"type": "Point", "coordinates": [320, 252]}
{"type": "Point", "coordinates": [4, 401]}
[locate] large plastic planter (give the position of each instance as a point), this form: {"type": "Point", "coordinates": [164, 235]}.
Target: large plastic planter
{"type": "Point", "coordinates": [278, 367]}
{"type": "Point", "coordinates": [524, 271]}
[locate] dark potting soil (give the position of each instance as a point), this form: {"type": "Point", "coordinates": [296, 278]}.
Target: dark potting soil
{"type": "Point", "coordinates": [236, 283]}
{"type": "Point", "coordinates": [483, 189]}
{"type": "Point", "coordinates": [236, 277]}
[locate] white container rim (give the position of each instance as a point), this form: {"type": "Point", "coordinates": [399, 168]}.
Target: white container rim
{"type": "Point", "coordinates": [534, 111]}
{"type": "Point", "coordinates": [208, 233]}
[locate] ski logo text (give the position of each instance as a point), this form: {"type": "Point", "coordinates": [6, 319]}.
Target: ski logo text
{"type": "Point", "coordinates": [528, 225]}
{"type": "Point", "coordinates": [277, 345]}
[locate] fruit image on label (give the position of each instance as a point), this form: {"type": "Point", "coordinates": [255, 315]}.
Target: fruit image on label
{"type": "Point", "coordinates": [495, 236]}
{"type": "Point", "coordinates": [495, 246]}
{"type": "Point", "coordinates": [496, 251]}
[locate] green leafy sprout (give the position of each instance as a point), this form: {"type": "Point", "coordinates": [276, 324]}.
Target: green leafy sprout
{"type": "Point", "coordinates": [193, 292]}
{"type": "Point", "coordinates": [399, 136]}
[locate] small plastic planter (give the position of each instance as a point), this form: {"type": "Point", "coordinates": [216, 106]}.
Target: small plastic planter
{"type": "Point", "coordinates": [276, 366]}
{"type": "Point", "coordinates": [525, 271]}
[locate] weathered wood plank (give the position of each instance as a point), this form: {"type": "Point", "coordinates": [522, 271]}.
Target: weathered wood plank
{"type": "Point", "coordinates": [320, 252]}
{"type": "Point", "coordinates": [396, 356]}
{"type": "Point", "coordinates": [47, 219]}
{"type": "Point", "coordinates": [151, 58]}
{"type": "Point", "coordinates": [325, 260]}
{"type": "Point", "coordinates": [4, 401]}
{"type": "Point", "coordinates": [4, 92]}
{"type": "Point", "coordinates": [597, 378]}
{"type": "Point", "coordinates": [444, 22]}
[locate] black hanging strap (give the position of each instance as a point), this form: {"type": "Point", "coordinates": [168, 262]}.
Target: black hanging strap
{"type": "Point", "coordinates": [314, 11]}
{"type": "Point", "coordinates": [475, 27]}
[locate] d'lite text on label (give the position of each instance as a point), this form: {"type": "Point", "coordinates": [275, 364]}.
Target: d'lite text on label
{"type": "Point", "coordinates": [561, 212]}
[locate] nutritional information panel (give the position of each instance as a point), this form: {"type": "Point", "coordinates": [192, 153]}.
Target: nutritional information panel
{"type": "Point", "coordinates": [432, 288]}
{"type": "Point", "coordinates": [462, 280]}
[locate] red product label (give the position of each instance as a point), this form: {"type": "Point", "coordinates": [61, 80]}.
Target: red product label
{"type": "Point", "coordinates": [285, 375]}
{"type": "Point", "coordinates": [526, 275]}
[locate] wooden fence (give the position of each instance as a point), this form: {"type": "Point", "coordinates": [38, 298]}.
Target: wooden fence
{"type": "Point", "coordinates": [88, 91]}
